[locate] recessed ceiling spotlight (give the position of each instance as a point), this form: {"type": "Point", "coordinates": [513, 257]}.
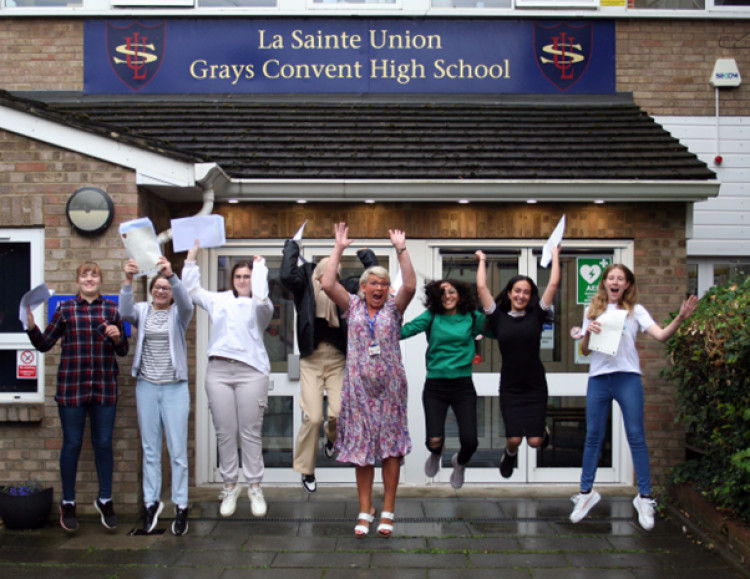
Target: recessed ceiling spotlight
{"type": "Point", "coordinates": [599, 201]}
{"type": "Point", "coordinates": [531, 201]}
{"type": "Point", "coordinates": [233, 201]}
{"type": "Point", "coordinates": [301, 201]}
{"type": "Point", "coordinates": [370, 201]}
{"type": "Point", "coordinates": [463, 201]}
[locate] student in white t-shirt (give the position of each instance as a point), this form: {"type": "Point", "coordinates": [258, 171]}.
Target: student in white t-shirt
{"type": "Point", "coordinates": [618, 378]}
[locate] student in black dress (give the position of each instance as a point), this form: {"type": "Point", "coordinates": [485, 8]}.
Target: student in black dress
{"type": "Point", "coordinates": [516, 320]}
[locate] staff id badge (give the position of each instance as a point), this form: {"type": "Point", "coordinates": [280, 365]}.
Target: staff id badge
{"type": "Point", "coordinates": [374, 349]}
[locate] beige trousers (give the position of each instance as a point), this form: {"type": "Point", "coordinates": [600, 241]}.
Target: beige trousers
{"type": "Point", "coordinates": [321, 372]}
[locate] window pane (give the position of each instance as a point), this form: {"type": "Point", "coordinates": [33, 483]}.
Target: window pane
{"type": "Point", "coordinates": [235, 3]}
{"type": "Point", "coordinates": [670, 4]}
{"type": "Point", "coordinates": [471, 3]}
{"type": "Point", "coordinates": [566, 419]}
{"type": "Point", "coordinates": [723, 272]}
{"type": "Point", "coordinates": [490, 430]}
{"type": "Point", "coordinates": [15, 257]}
{"type": "Point", "coordinates": [42, 3]}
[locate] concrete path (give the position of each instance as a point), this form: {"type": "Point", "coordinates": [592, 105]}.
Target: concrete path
{"type": "Point", "coordinates": [439, 534]}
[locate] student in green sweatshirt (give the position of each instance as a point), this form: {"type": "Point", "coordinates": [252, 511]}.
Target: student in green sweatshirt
{"type": "Point", "coordinates": [451, 324]}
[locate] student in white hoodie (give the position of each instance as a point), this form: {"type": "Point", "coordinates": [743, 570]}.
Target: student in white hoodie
{"type": "Point", "coordinates": [237, 376]}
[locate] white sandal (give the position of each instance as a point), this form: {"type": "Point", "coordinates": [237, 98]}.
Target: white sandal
{"type": "Point", "coordinates": [385, 530]}
{"type": "Point", "coordinates": [361, 531]}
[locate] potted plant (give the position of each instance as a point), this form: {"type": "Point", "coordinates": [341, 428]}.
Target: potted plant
{"type": "Point", "coordinates": [25, 505]}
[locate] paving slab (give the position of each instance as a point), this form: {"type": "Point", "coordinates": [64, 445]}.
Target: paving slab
{"type": "Point", "coordinates": [439, 534]}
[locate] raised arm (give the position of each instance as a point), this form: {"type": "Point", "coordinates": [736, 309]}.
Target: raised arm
{"type": "Point", "coordinates": [686, 310]}
{"type": "Point", "coordinates": [554, 278]}
{"type": "Point", "coordinates": [484, 292]}
{"type": "Point", "coordinates": [126, 306]}
{"type": "Point", "coordinates": [329, 279]}
{"type": "Point", "coordinates": [408, 275]}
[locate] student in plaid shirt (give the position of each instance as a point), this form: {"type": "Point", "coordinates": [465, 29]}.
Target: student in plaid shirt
{"type": "Point", "coordinates": [92, 333]}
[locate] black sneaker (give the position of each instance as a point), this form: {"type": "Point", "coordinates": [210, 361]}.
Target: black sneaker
{"type": "Point", "coordinates": [151, 516]}
{"type": "Point", "coordinates": [107, 511]}
{"type": "Point", "coordinates": [507, 464]}
{"type": "Point", "coordinates": [180, 524]}
{"type": "Point", "coordinates": [328, 449]}
{"type": "Point", "coordinates": [308, 482]}
{"type": "Point", "coordinates": [68, 520]}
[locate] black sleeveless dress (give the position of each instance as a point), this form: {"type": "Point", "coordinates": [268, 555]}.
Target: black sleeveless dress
{"type": "Point", "coordinates": [523, 383]}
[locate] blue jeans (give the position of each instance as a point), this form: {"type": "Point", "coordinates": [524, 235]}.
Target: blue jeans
{"type": "Point", "coordinates": [164, 408]}
{"type": "Point", "coordinates": [73, 422]}
{"type": "Point", "coordinates": [627, 389]}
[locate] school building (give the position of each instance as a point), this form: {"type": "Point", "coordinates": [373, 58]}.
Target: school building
{"type": "Point", "coordinates": [468, 124]}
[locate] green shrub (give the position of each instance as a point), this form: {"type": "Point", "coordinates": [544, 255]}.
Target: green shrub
{"type": "Point", "coordinates": [711, 368]}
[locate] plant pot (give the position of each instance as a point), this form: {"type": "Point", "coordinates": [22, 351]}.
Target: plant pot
{"type": "Point", "coordinates": [26, 512]}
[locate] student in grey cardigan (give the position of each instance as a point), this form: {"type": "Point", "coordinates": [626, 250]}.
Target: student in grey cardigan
{"type": "Point", "coordinates": [162, 394]}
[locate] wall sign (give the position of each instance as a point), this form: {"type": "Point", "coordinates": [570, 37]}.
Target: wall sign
{"type": "Point", "coordinates": [357, 55]}
{"type": "Point", "coordinates": [590, 270]}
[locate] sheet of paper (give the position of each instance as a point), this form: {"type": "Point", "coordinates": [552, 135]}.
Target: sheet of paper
{"type": "Point", "coordinates": [31, 299]}
{"type": "Point", "coordinates": [209, 230]}
{"type": "Point", "coordinates": [300, 231]}
{"type": "Point", "coordinates": [554, 240]}
{"type": "Point", "coordinates": [139, 238]}
{"type": "Point", "coordinates": [608, 340]}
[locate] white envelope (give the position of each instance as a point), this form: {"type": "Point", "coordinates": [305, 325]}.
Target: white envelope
{"type": "Point", "coordinates": [139, 238]}
{"type": "Point", "coordinates": [554, 240]}
{"type": "Point", "coordinates": [32, 298]}
{"type": "Point", "coordinates": [608, 340]}
{"type": "Point", "coordinates": [207, 229]}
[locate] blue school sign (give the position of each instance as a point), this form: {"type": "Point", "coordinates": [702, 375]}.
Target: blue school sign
{"type": "Point", "coordinates": [330, 55]}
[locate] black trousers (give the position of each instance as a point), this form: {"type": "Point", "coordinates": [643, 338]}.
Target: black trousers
{"type": "Point", "coordinates": [459, 394]}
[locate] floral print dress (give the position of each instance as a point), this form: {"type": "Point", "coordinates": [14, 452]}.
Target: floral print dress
{"type": "Point", "coordinates": [372, 424]}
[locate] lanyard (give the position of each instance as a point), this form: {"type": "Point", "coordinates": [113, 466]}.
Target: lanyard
{"type": "Point", "coordinates": [372, 321]}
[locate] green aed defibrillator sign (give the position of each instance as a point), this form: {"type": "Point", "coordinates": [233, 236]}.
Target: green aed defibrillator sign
{"type": "Point", "coordinates": [590, 270]}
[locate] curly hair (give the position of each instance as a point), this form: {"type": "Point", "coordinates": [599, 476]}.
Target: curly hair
{"type": "Point", "coordinates": [503, 301]}
{"type": "Point", "coordinates": [433, 296]}
{"type": "Point", "coordinates": [627, 300]}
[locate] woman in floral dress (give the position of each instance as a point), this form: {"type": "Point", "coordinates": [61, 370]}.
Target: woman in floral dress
{"type": "Point", "coordinates": [373, 420]}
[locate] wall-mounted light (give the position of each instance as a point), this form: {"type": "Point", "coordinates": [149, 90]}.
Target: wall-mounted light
{"type": "Point", "coordinates": [90, 211]}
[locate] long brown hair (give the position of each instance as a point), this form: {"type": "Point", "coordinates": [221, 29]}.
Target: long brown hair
{"type": "Point", "coordinates": [627, 300]}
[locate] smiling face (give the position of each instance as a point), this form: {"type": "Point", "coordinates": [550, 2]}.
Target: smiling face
{"type": "Point", "coordinates": [89, 283]}
{"type": "Point", "coordinates": [161, 294]}
{"type": "Point", "coordinates": [448, 297]}
{"type": "Point", "coordinates": [241, 282]}
{"type": "Point", "coordinates": [519, 295]}
{"type": "Point", "coordinates": [375, 290]}
{"type": "Point", "coordinates": [615, 284]}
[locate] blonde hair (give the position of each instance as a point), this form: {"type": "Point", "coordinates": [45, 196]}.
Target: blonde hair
{"type": "Point", "coordinates": [378, 271]}
{"type": "Point", "coordinates": [626, 301]}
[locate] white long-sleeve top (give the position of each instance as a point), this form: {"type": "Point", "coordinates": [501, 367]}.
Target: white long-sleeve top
{"type": "Point", "coordinates": [237, 323]}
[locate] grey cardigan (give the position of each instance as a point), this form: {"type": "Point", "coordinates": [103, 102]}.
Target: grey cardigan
{"type": "Point", "coordinates": [180, 314]}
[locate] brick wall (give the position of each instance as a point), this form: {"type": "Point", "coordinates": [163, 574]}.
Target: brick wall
{"type": "Point", "coordinates": [35, 182]}
{"type": "Point", "coordinates": [41, 54]}
{"type": "Point", "coordinates": [667, 64]}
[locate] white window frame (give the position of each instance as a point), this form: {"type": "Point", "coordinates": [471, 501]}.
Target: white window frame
{"type": "Point", "coordinates": [19, 340]}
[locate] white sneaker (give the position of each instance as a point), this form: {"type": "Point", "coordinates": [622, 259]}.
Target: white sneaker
{"type": "Point", "coordinates": [432, 464]}
{"type": "Point", "coordinates": [583, 504]}
{"type": "Point", "coordinates": [229, 500]}
{"type": "Point", "coordinates": [257, 502]}
{"type": "Point", "coordinates": [645, 508]}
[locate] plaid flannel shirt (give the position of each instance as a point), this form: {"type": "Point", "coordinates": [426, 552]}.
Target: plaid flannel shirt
{"type": "Point", "coordinates": [88, 368]}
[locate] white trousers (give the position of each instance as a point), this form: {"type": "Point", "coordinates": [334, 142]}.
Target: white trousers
{"type": "Point", "coordinates": [237, 397]}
